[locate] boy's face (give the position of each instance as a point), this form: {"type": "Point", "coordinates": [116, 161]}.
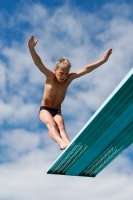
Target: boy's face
{"type": "Point", "coordinates": [62, 74]}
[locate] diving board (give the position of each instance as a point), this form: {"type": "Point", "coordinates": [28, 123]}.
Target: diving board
{"type": "Point", "coordinates": [104, 137]}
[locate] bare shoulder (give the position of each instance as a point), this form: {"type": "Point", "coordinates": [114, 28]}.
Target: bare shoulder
{"type": "Point", "coordinates": [73, 76]}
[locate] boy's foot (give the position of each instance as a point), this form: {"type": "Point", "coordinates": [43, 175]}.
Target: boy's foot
{"type": "Point", "coordinates": [63, 144]}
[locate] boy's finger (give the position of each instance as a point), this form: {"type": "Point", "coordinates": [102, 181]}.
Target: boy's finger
{"type": "Point", "coordinates": [109, 52]}
{"type": "Point", "coordinates": [36, 41]}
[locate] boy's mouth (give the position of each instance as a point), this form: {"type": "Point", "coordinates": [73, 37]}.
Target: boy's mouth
{"type": "Point", "coordinates": [62, 80]}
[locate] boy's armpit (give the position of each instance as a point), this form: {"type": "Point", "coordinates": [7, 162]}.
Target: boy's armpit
{"type": "Point", "coordinates": [45, 70]}
{"type": "Point", "coordinates": [77, 74]}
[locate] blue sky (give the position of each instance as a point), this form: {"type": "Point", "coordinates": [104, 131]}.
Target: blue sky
{"type": "Point", "coordinates": [82, 31]}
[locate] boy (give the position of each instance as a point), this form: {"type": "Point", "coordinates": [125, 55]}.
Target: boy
{"type": "Point", "coordinates": [56, 85]}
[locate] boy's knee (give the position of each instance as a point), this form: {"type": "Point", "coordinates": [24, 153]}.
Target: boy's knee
{"type": "Point", "coordinates": [61, 126]}
{"type": "Point", "coordinates": [52, 125]}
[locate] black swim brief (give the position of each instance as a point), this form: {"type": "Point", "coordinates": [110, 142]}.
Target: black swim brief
{"type": "Point", "coordinates": [52, 111]}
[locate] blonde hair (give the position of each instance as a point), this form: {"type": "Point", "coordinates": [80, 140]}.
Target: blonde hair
{"type": "Point", "coordinates": [63, 62]}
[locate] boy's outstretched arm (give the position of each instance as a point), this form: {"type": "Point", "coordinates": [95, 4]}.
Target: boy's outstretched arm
{"type": "Point", "coordinates": [92, 66]}
{"type": "Point", "coordinates": [37, 60]}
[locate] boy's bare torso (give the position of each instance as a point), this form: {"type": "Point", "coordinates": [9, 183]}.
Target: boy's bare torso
{"type": "Point", "coordinates": [54, 92]}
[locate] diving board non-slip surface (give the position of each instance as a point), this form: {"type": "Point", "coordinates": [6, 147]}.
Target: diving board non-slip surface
{"type": "Point", "coordinates": [105, 136]}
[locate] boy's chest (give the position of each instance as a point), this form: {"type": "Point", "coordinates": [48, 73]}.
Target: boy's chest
{"type": "Point", "coordinates": [56, 88]}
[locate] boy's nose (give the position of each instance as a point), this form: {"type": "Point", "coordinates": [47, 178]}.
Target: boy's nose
{"type": "Point", "coordinates": [63, 76]}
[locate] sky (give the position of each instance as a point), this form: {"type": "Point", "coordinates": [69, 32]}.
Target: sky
{"type": "Point", "coordinates": [82, 31]}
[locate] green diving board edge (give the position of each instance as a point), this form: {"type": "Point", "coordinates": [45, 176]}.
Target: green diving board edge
{"type": "Point", "coordinates": [91, 119]}
{"type": "Point", "coordinates": [102, 106]}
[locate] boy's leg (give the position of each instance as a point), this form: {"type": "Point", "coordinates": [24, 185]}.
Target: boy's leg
{"type": "Point", "coordinates": [51, 124]}
{"type": "Point", "coordinates": [60, 122]}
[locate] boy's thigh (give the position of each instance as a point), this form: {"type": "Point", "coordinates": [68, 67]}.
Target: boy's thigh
{"type": "Point", "coordinates": [46, 117]}
{"type": "Point", "coordinates": [59, 120]}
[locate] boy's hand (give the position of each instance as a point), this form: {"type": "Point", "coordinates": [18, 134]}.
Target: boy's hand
{"type": "Point", "coordinates": [31, 42]}
{"type": "Point", "coordinates": [107, 54]}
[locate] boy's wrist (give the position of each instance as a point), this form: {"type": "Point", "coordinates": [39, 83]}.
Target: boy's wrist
{"type": "Point", "coordinates": [31, 48]}
{"type": "Point", "coordinates": [103, 60]}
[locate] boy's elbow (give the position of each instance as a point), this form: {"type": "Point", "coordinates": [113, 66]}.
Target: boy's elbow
{"type": "Point", "coordinates": [87, 69]}
{"type": "Point", "coordinates": [38, 63]}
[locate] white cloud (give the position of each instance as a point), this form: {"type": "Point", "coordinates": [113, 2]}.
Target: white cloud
{"type": "Point", "coordinates": [3, 77]}
{"type": "Point", "coordinates": [26, 179]}
{"type": "Point", "coordinates": [19, 114]}
{"type": "Point", "coordinates": [83, 39]}
{"type": "Point", "coordinates": [17, 142]}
